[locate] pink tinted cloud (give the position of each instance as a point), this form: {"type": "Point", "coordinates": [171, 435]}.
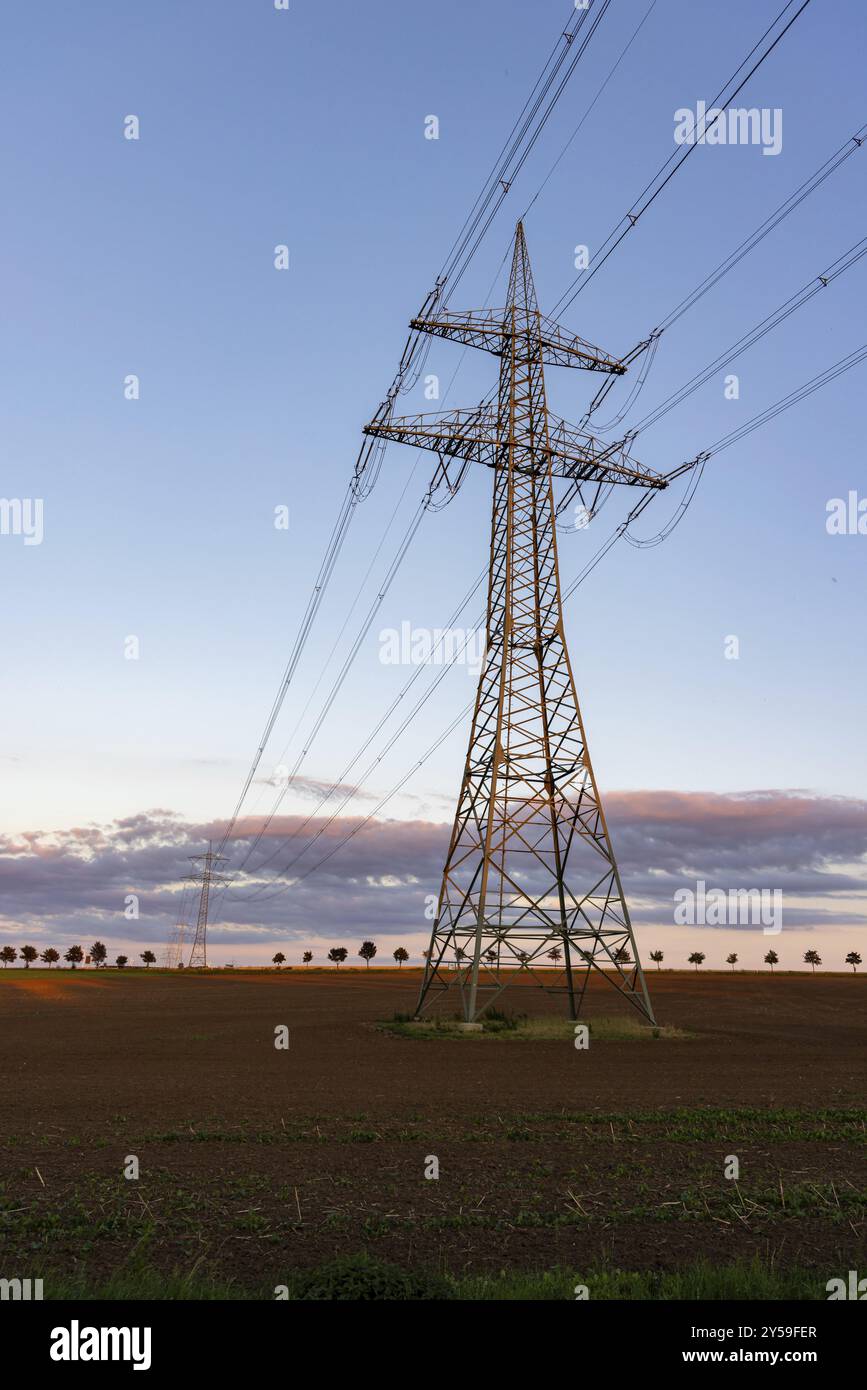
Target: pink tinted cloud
{"type": "Point", "coordinates": [73, 883]}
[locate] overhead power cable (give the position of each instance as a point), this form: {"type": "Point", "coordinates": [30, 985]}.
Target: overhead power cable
{"type": "Point", "coordinates": [771, 321]}
{"type": "Point", "coordinates": [410, 352]}
{"type": "Point", "coordinates": [845, 364]}
{"type": "Point", "coordinates": [675, 161]}
{"type": "Point", "coordinates": [326, 569]}
{"type": "Point", "coordinates": [794, 200]}
{"type": "Point", "coordinates": [795, 302]}
{"type": "Point", "coordinates": [771, 412]}
{"type": "Point", "coordinates": [371, 452]}
{"type": "Point", "coordinates": [370, 455]}
{"type": "Point", "coordinates": [774, 219]}
{"type": "Point", "coordinates": [341, 779]}
{"type": "Point", "coordinates": [814, 286]}
{"type": "Point", "coordinates": [611, 71]}
{"type": "Point", "coordinates": [512, 166]}
{"type": "Point", "coordinates": [500, 167]}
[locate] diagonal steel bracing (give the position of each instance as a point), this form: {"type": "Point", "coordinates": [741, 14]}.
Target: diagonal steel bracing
{"type": "Point", "coordinates": [530, 868]}
{"type": "Point", "coordinates": [210, 878]}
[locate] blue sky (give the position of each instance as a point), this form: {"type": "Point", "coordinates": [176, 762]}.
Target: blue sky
{"type": "Point", "coordinates": [155, 257]}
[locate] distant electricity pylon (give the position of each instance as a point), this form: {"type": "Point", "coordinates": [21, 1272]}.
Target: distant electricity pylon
{"type": "Point", "coordinates": [174, 952]}
{"type": "Point", "coordinates": [208, 878]}
{"type": "Point", "coordinates": [530, 873]}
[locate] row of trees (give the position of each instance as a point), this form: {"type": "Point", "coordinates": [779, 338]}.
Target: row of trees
{"type": "Point", "coordinates": [338, 954]}
{"type": "Point", "coordinates": [811, 958]}
{"type": "Point", "coordinates": [367, 950]}
{"type": "Point", "coordinates": [74, 956]}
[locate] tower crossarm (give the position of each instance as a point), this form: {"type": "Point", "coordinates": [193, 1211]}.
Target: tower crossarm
{"type": "Point", "coordinates": [579, 456]}
{"type": "Point", "coordinates": [473, 435]}
{"type": "Point", "coordinates": [492, 330]}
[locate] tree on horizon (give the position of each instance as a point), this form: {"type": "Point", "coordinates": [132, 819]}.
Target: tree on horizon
{"type": "Point", "coordinates": [400, 956]}
{"type": "Point", "coordinates": [279, 959]}
{"type": "Point", "coordinates": [50, 956]}
{"type": "Point", "coordinates": [555, 954]}
{"type": "Point", "coordinates": [98, 953]}
{"type": "Point", "coordinates": [338, 954]}
{"type": "Point", "coordinates": [8, 955]}
{"type": "Point", "coordinates": [622, 956]}
{"type": "Point", "coordinates": [812, 958]}
{"type": "Point", "coordinates": [74, 955]}
{"type": "Point", "coordinates": [367, 951]}
{"type": "Point", "coordinates": [121, 962]}
{"type": "Point", "coordinates": [149, 958]}
{"type": "Point", "coordinates": [697, 958]}
{"type": "Point", "coordinates": [658, 957]}
{"type": "Point", "coordinates": [307, 957]}
{"type": "Point", "coordinates": [772, 959]}
{"type": "Point", "coordinates": [854, 960]}
{"type": "Point", "coordinates": [28, 953]}
{"type": "Point", "coordinates": [732, 960]}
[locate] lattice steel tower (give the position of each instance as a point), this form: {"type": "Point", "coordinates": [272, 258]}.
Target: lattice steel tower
{"type": "Point", "coordinates": [174, 951]}
{"type": "Point", "coordinates": [530, 868]}
{"type": "Point", "coordinates": [199, 952]}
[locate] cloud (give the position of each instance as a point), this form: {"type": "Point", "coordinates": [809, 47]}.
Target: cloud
{"type": "Point", "coordinates": [375, 878]}
{"type": "Point", "coordinates": [809, 847]}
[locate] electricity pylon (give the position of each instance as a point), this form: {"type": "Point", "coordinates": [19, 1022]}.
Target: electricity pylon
{"type": "Point", "coordinates": [530, 872]}
{"type": "Point", "coordinates": [174, 952]}
{"type": "Point", "coordinates": [199, 952]}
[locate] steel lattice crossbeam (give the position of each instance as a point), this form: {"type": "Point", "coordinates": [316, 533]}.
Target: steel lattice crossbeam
{"type": "Point", "coordinates": [476, 436]}
{"type": "Point", "coordinates": [492, 330]}
{"type": "Point", "coordinates": [530, 873]}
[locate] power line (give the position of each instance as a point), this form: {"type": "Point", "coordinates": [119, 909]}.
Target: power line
{"type": "Point", "coordinates": [771, 412]}
{"type": "Point", "coordinates": [335, 543]}
{"type": "Point", "coordinates": [340, 780]}
{"type": "Point", "coordinates": [501, 163]}
{"type": "Point", "coordinates": [448, 271]}
{"type": "Point", "coordinates": [837, 268]}
{"type": "Point", "coordinates": [803, 191]}
{"type": "Point", "coordinates": [370, 455]}
{"type": "Point", "coordinates": [771, 222]}
{"type": "Point", "coordinates": [800, 393]}
{"type": "Point", "coordinates": [391, 575]}
{"type": "Point", "coordinates": [814, 286]}
{"type": "Point", "coordinates": [677, 159]}
{"type": "Point", "coordinates": [636, 31]}
{"type": "Point", "coordinates": [371, 452]}
{"type": "Point", "coordinates": [410, 351]}
{"type": "Point", "coordinates": [510, 171]}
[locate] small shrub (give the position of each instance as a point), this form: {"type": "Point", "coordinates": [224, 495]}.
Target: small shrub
{"type": "Point", "coordinates": [495, 1021]}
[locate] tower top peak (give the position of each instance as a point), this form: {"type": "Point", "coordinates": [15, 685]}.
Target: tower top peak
{"type": "Point", "coordinates": [522, 291]}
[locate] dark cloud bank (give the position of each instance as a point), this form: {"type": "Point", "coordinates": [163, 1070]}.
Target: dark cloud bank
{"type": "Point", "coordinates": [72, 885]}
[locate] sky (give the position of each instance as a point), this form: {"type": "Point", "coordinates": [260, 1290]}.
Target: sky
{"type": "Point", "coordinates": [146, 634]}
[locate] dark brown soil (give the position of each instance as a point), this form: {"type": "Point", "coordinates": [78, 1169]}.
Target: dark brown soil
{"type": "Point", "coordinates": [255, 1160]}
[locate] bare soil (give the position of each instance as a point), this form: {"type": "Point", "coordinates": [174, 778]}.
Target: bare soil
{"type": "Point", "coordinates": [256, 1160]}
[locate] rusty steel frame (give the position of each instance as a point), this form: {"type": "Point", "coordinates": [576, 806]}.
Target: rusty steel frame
{"type": "Point", "coordinates": [530, 867]}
